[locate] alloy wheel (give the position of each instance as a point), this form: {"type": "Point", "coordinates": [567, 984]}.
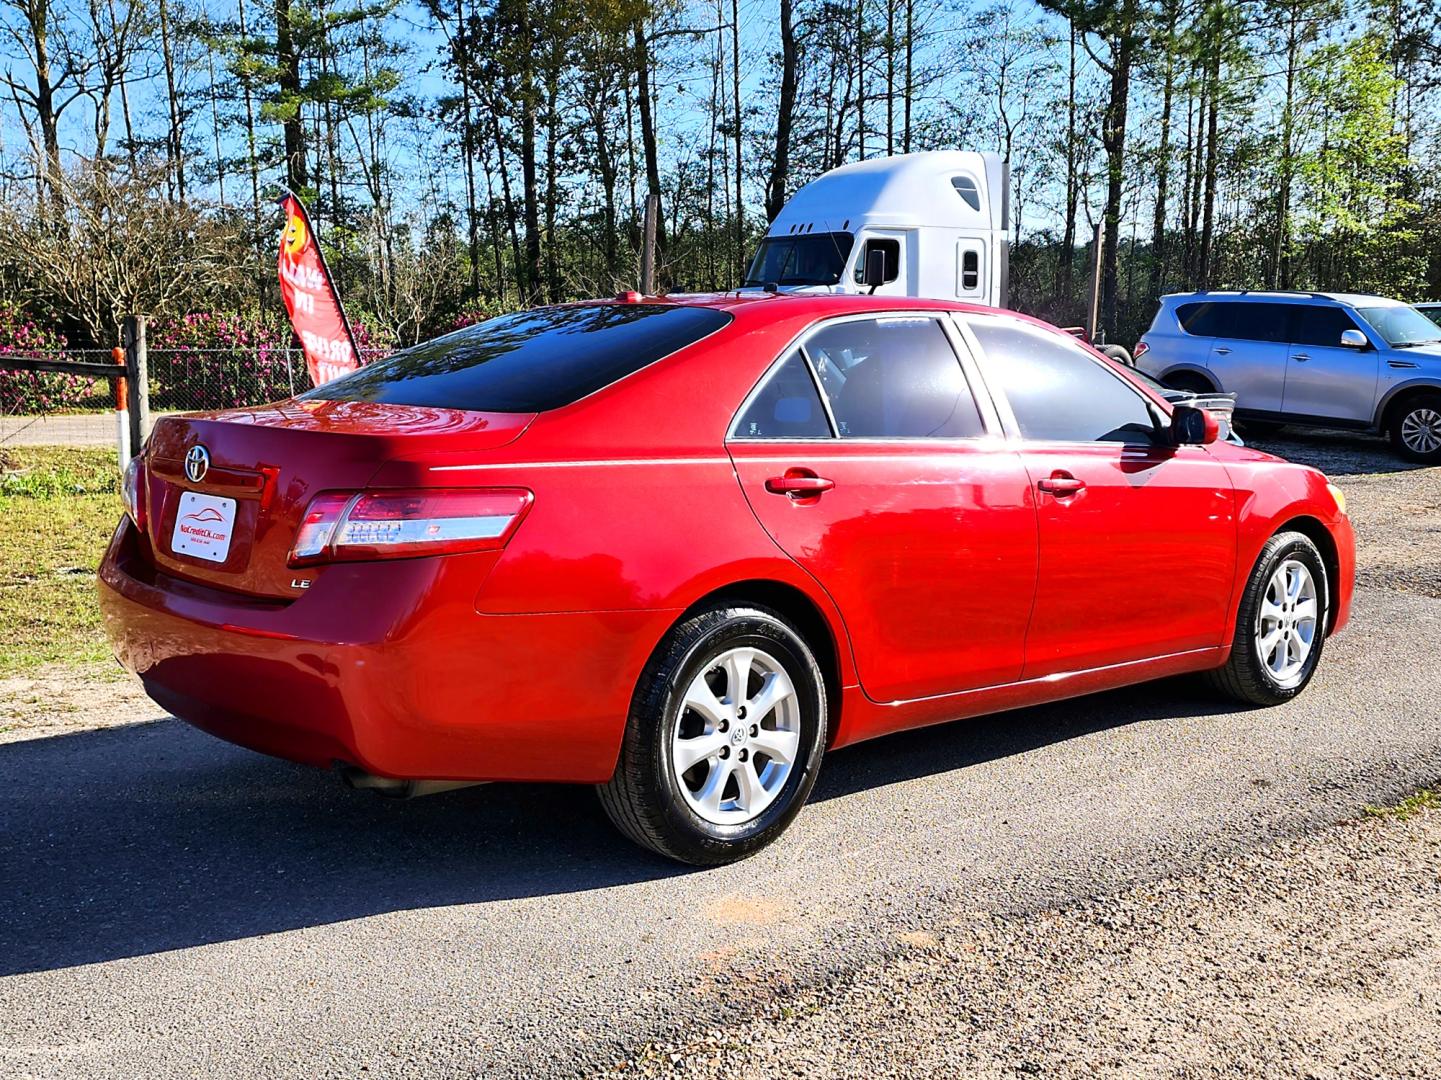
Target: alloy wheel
{"type": "Point", "coordinates": [737, 737]}
{"type": "Point", "coordinates": [1421, 430]}
{"type": "Point", "coordinates": [1287, 621]}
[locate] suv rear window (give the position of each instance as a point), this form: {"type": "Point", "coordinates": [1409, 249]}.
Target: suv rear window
{"type": "Point", "coordinates": [530, 361]}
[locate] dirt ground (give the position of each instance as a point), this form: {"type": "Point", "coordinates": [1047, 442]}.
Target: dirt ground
{"type": "Point", "coordinates": [61, 698]}
{"type": "Point", "coordinates": [1320, 957]}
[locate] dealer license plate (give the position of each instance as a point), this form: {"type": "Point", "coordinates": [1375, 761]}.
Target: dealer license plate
{"type": "Point", "coordinates": [203, 526]}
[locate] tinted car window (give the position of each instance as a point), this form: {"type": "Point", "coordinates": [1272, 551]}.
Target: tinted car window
{"type": "Point", "coordinates": [1058, 391]}
{"type": "Point", "coordinates": [788, 406]}
{"type": "Point", "coordinates": [1243, 319]}
{"type": "Point", "coordinates": [1249, 321]}
{"type": "Point", "coordinates": [894, 378]}
{"type": "Point", "coordinates": [1202, 319]}
{"type": "Point", "coordinates": [528, 362]}
{"type": "Point", "coordinates": [1314, 325]}
{"type": "Point", "coordinates": [811, 259]}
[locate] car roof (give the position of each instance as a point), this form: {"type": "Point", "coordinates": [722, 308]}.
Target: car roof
{"type": "Point", "coordinates": [1290, 296]}
{"type": "Point", "coordinates": [825, 303]}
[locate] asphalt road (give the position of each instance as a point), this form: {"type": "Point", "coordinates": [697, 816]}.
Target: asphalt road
{"type": "Point", "coordinates": [171, 905]}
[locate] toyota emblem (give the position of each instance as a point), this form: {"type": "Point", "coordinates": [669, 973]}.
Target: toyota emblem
{"type": "Point", "coordinates": [197, 463]}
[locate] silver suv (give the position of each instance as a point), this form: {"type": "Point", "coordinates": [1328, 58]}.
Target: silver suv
{"type": "Point", "coordinates": [1334, 360]}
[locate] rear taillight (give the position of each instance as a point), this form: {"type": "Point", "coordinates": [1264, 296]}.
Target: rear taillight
{"type": "Point", "coordinates": [1141, 350]}
{"type": "Point", "coordinates": [404, 524]}
{"type": "Point", "coordinates": [132, 490]}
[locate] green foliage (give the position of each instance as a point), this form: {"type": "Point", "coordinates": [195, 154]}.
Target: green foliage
{"type": "Point", "coordinates": [58, 508]}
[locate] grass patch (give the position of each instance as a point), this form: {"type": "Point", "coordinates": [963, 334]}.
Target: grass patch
{"type": "Point", "coordinates": [58, 508]}
{"type": "Point", "coordinates": [1409, 807]}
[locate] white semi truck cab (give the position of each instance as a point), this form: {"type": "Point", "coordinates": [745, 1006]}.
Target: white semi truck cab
{"type": "Point", "coordinates": [940, 219]}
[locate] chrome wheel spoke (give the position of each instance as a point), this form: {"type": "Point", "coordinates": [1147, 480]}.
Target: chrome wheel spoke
{"type": "Point", "coordinates": [689, 751]}
{"type": "Point", "coordinates": [751, 795]}
{"type": "Point", "coordinates": [1271, 612]}
{"type": "Point", "coordinates": [737, 666]}
{"type": "Point", "coordinates": [709, 795]}
{"type": "Point", "coordinates": [779, 746]}
{"type": "Point", "coordinates": [774, 690]}
{"type": "Point", "coordinates": [702, 700]}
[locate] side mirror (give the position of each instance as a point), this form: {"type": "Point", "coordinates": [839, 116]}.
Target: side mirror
{"type": "Point", "coordinates": [875, 267]}
{"type": "Point", "coordinates": [1191, 426]}
{"type": "Point", "coordinates": [1353, 339]}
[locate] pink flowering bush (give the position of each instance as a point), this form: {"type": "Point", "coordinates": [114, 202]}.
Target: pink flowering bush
{"type": "Point", "coordinates": [222, 360]}
{"type": "Point", "coordinates": [37, 391]}
{"type": "Point", "coordinates": [470, 318]}
{"type": "Point", "coordinates": [218, 360]}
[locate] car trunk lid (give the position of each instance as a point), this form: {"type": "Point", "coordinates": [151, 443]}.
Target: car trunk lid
{"type": "Point", "coordinates": [231, 523]}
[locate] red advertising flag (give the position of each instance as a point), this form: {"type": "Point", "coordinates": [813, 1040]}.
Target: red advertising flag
{"type": "Point", "coordinates": [311, 300]}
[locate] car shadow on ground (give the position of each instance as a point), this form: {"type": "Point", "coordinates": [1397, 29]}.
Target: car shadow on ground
{"type": "Point", "coordinates": [140, 839]}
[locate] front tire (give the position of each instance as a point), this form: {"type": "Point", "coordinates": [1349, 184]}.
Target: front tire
{"type": "Point", "coordinates": [1416, 429]}
{"type": "Point", "coordinates": [1281, 627]}
{"type": "Point", "coordinates": [725, 737]}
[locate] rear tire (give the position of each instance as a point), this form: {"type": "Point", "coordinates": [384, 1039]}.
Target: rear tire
{"type": "Point", "coordinates": [703, 777]}
{"type": "Point", "coordinates": [1281, 626]}
{"type": "Point", "coordinates": [1416, 429]}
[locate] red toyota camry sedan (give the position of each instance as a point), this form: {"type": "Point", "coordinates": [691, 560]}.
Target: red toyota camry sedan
{"type": "Point", "coordinates": [679, 548]}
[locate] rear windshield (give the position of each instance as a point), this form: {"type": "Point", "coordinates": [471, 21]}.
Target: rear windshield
{"type": "Point", "coordinates": [528, 362]}
{"type": "Point", "coordinates": [810, 259]}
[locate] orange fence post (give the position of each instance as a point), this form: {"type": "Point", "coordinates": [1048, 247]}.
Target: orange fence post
{"type": "Point", "coordinates": [122, 409]}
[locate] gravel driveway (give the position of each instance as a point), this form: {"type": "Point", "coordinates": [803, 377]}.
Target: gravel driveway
{"type": "Point", "coordinates": [173, 905]}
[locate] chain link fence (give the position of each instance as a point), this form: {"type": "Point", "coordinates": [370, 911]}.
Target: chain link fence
{"type": "Point", "coordinates": [49, 407]}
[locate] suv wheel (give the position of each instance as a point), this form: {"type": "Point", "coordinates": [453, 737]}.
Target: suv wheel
{"type": "Point", "coordinates": [1416, 429]}
{"type": "Point", "coordinates": [1281, 627]}
{"type": "Point", "coordinates": [725, 737]}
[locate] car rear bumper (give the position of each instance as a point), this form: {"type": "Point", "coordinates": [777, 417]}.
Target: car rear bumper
{"type": "Point", "coordinates": [377, 665]}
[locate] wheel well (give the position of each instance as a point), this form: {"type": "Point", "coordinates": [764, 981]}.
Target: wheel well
{"type": "Point", "coordinates": [1321, 537]}
{"type": "Point", "coordinates": [801, 612]}
{"type": "Point", "coordinates": [1189, 379]}
{"type": "Point", "coordinates": [1403, 398]}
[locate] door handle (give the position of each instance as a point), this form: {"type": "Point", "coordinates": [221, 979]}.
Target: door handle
{"type": "Point", "coordinates": [1303, 357]}
{"type": "Point", "coordinates": [1223, 352]}
{"type": "Point", "coordinates": [799, 484]}
{"type": "Point", "coordinates": [1061, 484]}
{"type": "Point", "coordinates": [1401, 364]}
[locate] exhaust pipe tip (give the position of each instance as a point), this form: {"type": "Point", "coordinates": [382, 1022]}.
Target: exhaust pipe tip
{"type": "Point", "coordinates": [388, 787]}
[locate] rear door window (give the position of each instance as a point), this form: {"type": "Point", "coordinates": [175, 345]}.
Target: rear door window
{"type": "Point", "coordinates": [530, 361]}
{"type": "Point", "coordinates": [1058, 391]}
{"type": "Point", "coordinates": [787, 406]}
{"type": "Point", "coordinates": [1244, 320]}
{"type": "Point", "coordinates": [1258, 321]}
{"type": "Point", "coordinates": [894, 378]}
{"type": "Point", "coordinates": [1315, 325]}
